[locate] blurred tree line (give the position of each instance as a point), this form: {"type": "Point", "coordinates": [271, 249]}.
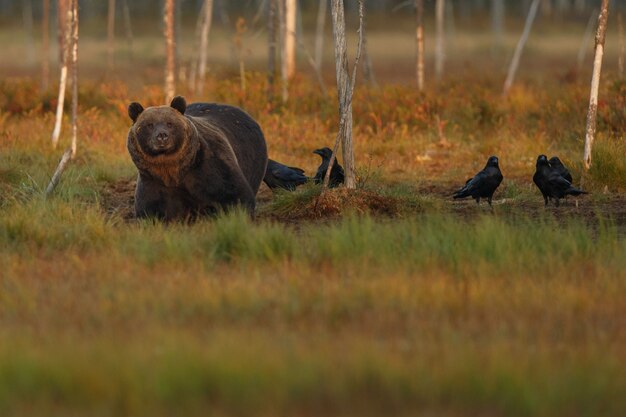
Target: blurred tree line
{"type": "Point", "coordinates": [228, 10]}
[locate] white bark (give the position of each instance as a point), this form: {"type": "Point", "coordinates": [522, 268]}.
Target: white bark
{"type": "Point", "coordinates": [345, 90]}
{"type": "Point", "coordinates": [520, 46]}
{"type": "Point", "coordinates": [590, 131]}
{"type": "Point", "coordinates": [584, 45]}
{"type": "Point", "coordinates": [66, 35]}
{"type": "Point", "coordinates": [70, 152]}
{"type": "Point", "coordinates": [439, 40]}
{"type": "Point", "coordinates": [419, 39]}
{"type": "Point", "coordinates": [204, 44]}
{"type": "Point", "coordinates": [290, 37]}
{"type": "Point", "coordinates": [282, 32]}
{"type": "Point", "coordinates": [170, 50]}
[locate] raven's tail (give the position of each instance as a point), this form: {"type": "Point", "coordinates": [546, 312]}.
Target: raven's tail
{"type": "Point", "coordinates": [462, 193]}
{"type": "Point", "coordinates": [575, 191]}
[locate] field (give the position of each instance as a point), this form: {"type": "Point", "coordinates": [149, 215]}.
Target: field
{"type": "Point", "coordinates": [389, 300]}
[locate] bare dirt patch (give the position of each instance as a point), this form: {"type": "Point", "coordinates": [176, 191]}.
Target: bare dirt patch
{"type": "Point", "coordinates": [118, 200]}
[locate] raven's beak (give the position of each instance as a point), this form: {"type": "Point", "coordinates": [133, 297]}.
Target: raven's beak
{"type": "Point", "coordinates": [318, 152]}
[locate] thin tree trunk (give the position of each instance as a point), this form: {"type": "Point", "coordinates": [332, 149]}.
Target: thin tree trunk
{"type": "Point", "coordinates": [204, 44]}
{"type": "Point", "coordinates": [319, 34]}
{"type": "Point", "coordinates": [72, 40]}
{"type": "Point", "coordinates": [345, 89]}
{"type": "Point", "coordinates": [240, 32]}
{"type": "Point", "coordinates": [66, 39]}
{"type": "Point", "coordinates": [74, 43]}
{"type": "Point", "coordinates": [271, 54]}
{"type": "Point", "coordinates": [45, 58]}
{"type": "Point", "coordinates": [27, 15]}
{"type": "Point", "coordinates": [620, 56]}
{"type": "Point", "coordinates": [419, 38]}
{"type": "Point", "coordinates": [128, 27]}
{"type": "Point", "coordinates": [290, 37]}
{"type": "Point", "coordinates": [111, 34]}
{"type": "Point", "coordinates": [439, 40]}
{"type": "Point", "coordinates": [195, 59]}
{"type": "Point", "coordinates": [368, 67]}
{"type": "Point", "coordinates": [497, 22]}
{"type": "Point", "coordinates": [520, 46]}
{"type": "Point", "coordinates": [61, 25]}
{"type": "Point", "coordinates": [595, 83]}
{"type": "Point", "coordinates": [283, 52]}
{"type": "Point", "coordinates": [584, 45]}
{"type": "Point", "coordinates": [318, 72]}
{"type": "Point", "coordinates": [170, 50]}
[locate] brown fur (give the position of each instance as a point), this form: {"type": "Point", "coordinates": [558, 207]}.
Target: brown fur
{"type": "Point", "coordinates": [207, 163]}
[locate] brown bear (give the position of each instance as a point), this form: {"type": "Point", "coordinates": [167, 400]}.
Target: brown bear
{"type": "Point", "coordinates": [194, 160]}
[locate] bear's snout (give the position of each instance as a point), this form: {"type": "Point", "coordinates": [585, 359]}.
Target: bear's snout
{"type": "Point", "coordinates": [161, 139]}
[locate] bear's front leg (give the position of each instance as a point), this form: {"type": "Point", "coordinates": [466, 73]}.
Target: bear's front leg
{"type": "Point", "coordinates": [153, 199]}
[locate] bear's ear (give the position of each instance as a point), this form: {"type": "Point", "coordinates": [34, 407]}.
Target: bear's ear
{"type": "Point", "coordinates": [134, 110]}
{"type": "Point", "coordinates": [179, 104]}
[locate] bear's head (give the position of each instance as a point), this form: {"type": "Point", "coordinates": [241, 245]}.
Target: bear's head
{"type": "Point", "coordinates": [160, 130]}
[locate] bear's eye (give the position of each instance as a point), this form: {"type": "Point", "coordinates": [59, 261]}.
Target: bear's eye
{"type": "Point", "coordinates": [169, 124]}
{"type": "Point", "coordinates": [149, 125]}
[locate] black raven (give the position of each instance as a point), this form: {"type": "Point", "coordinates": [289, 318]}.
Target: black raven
{"type": "Point", "coordinates": [551, 183]}
{"type": "Point", "coordinates": [336, 173]}
{"type": "Point", "coordinates": [542, 170]}
{"type": "Point", "coordinates": [278, 175]}
{"type": "Point", "coordinates": [484, 184]}
{"type": "Point", "coordinates": [557, 165]}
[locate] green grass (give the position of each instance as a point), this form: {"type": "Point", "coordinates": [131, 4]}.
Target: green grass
{"type": "Point", "coordinates": [402, 302]}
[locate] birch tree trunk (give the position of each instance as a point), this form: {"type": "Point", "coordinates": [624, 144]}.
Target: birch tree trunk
{"type": "Point", "coordinates": [66, 38]}
{"type": "Point", "coordinates": [439, 40]}
{"type": "Point", "coordinates": [290, 37]}
{"type": "Point", "coordinates": [128, 27]}
{"type": "Point", "coordinates": [111, 34]}
{"type": "Point", "coordinates": [170, 50]}
{"type": "Point", "coordinates": [271, 53]}
{"type": "Point", "coordinates": [61, 26]}
{"type": "Point", "coordinates": [319, 34]}
{"type": "Point", "coordinates": [345, 88]}
{"type": "Point", "coordinates": [497, 22]}
{"type": "Point", "coordinates": [72, 43]}
{"type": "Point", "coordinates": [595, 83]}
{"type": "Point", "coordinates": [584, 45]}
{"type": "Point", "coordinates": [368, 68]}
{"type": "Point", "coordinates": [419, 39]}
{"type": "Point", "coordinates": [283, 52]}
{"type": "Point", "coordinates": [27, 15]}
{"type": "Point", "coordinates": [45, 53]}
{"type": "Point", "coordinates": [532, 12]}
{"type": "Point", "coordinates": [204, 44]}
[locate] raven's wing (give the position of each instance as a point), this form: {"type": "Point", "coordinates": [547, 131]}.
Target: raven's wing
{"type": "Point", "coordinates": [287, 174]}
{"type": "Point", "coordinates": [472, 185]}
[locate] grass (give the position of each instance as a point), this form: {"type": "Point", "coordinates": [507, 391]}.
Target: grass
{"type": "Point", "coordinates": [390, 300]}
